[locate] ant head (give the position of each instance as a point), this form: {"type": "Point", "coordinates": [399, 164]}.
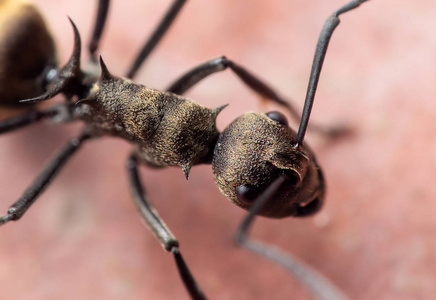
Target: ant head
{"type": "Point", "coordinates": [27, 52]}
{"type": "Point", "coordinates": [256, 149]}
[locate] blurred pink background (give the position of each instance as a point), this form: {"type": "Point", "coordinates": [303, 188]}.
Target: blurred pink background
{"type": "Point", "coordinates": [375, 237]}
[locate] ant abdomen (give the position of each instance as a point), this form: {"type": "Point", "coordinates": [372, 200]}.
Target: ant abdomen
{"type": "Point", "coordinates": [252, 152]}
{"type": "Point", "coordinates": [27, 52]}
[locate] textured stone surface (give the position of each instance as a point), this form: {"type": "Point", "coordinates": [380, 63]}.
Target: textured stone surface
{"type": "Point", "coordinates": [375, 236]}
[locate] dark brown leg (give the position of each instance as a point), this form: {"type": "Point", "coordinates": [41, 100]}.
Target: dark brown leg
{"type": "Point", "coordinates": [39, 184]}
{"type": "Point", "coordinates": [160, 230]}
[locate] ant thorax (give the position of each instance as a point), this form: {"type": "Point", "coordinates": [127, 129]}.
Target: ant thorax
{"type": "Point", "coordinates": [169, 130]}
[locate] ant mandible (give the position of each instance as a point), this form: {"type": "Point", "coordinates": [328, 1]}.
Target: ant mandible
{"type": "Point", "coordinates": [258, 161]}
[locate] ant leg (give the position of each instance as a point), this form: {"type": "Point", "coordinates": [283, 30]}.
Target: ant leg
{"type": "Point", "coordinates": [221, 63]}
{"type": "Point", "coordinates": [16, 210]}
{"type": "Point", "coordinates": [195, 75]}
{"type": "Point", "coordinates": [314, 281]}
{"type": "Point", "coordinates": [60, 113]}
{"type": "Point", "coordinates": [156, 36]}
{"type": "Point", "coordinates": [17, 122]}
{"type": "Point", "coordinates": [159, 228]}
{"type": "Point", "coordinates": [100, 21]}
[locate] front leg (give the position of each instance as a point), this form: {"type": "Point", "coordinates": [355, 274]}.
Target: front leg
{"type": "Point", "coordinates": [159, 228]}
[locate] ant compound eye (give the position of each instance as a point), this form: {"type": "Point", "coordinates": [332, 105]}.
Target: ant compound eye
{"type": "Point", "coordinates": [278, 117]}
{"type": "Point", "coordinates": [247, 193]}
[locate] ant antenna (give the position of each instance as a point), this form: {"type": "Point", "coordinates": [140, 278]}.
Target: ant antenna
{"type": "Point", "coordinates": [318, 60]}
{"type": "Point", "coordinates": [315, 282]}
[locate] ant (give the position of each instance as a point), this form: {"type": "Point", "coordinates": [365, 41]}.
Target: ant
{"type": "Point", "coordinates": [258, 161]}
